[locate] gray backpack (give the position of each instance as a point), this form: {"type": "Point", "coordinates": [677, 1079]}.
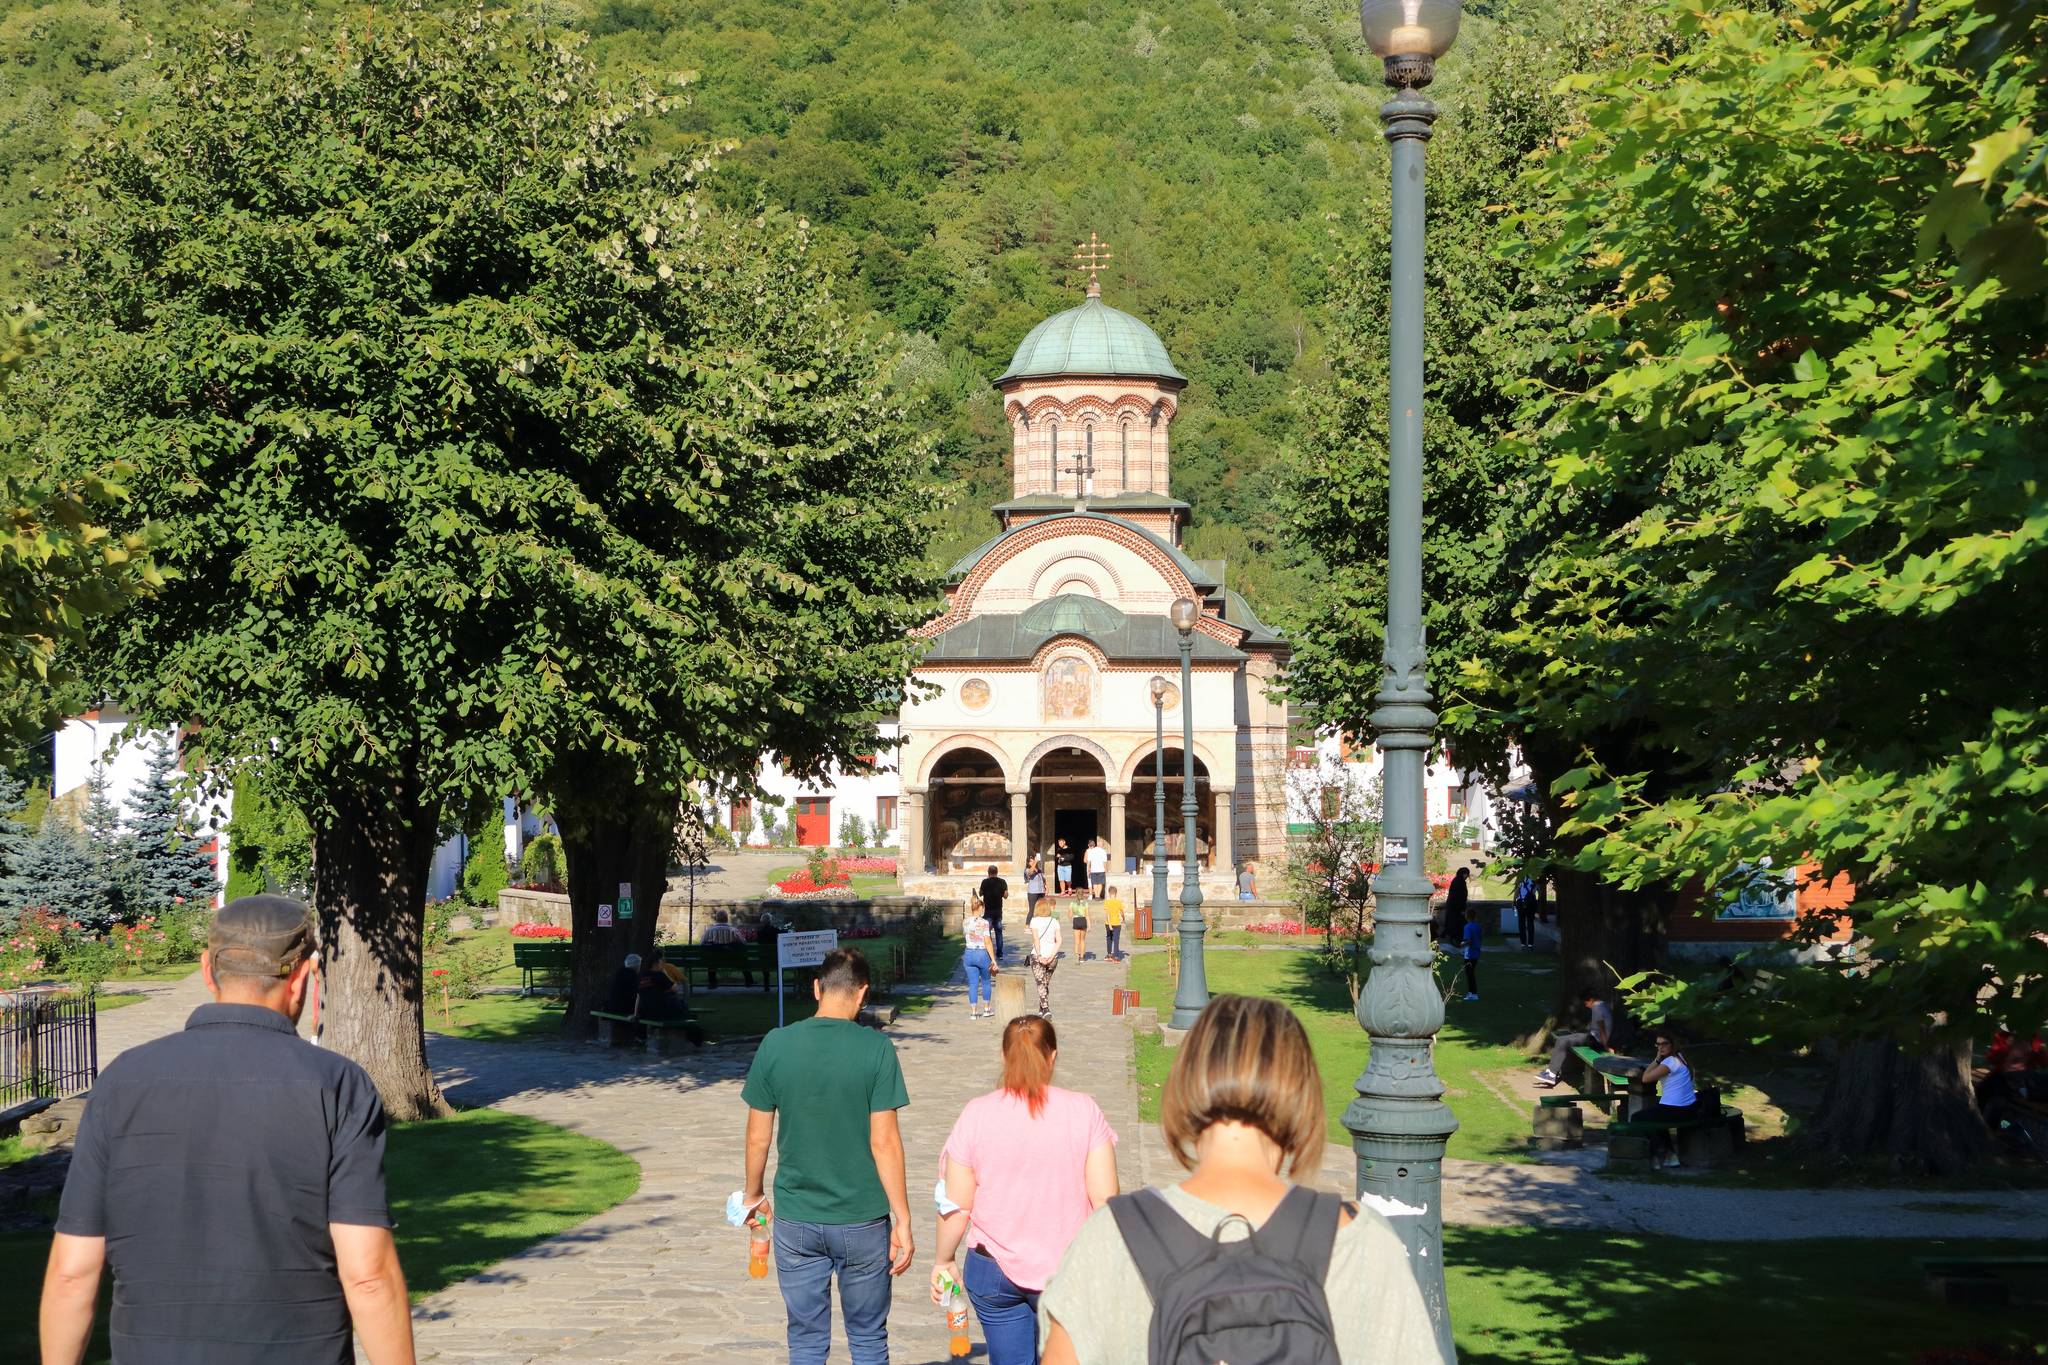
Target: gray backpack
{"type": "Point", "coordinates": [1255, 1302]}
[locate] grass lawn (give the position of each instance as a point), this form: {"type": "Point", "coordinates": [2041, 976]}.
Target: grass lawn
{"type": "Point", "coordinates": [466, 1192]}
{"type": "Point", "coordinates": [1548, 1296]}
{"type": "Point", "coordinates": [1475, 1043]}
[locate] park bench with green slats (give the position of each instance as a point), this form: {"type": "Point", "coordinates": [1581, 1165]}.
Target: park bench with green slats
{"type": "Point", "coordinates": [1600, 1089]}
{"type": "Point", "coordinates": [543, 957]}
{"type": "Point", "coordinates": [697, 960]}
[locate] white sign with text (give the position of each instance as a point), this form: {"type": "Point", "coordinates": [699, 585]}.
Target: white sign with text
{"type": "Point", "coordinates": [805, 949]}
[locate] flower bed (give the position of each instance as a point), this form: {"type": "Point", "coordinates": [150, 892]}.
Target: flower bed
{"type": "Point", "coordinates": [866, 864]}
{"type": "Point", "coordinates": [1289, 928]}
{"type": "Point", "coordinates": [802, 887]}
{"type": "Point", "coordinates": [540, 931]}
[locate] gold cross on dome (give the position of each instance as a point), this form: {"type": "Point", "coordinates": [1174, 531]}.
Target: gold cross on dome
{"type": "Point", "coordinates": [1092, 257]}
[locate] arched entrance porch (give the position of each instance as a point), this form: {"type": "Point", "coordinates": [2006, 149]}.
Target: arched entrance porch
{"type": "Point", "coordinates": [1070, 799]}
{"type": "Point", "coordinates": [965, 814]}
{"type": "Point", "coordinates": [1213, 811]}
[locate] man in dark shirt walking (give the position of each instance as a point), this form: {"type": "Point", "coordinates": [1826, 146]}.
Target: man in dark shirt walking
{"type": "Point", "coordinates": [993, 889]}
{"type": "Point", "coordinates": [233, 1176]}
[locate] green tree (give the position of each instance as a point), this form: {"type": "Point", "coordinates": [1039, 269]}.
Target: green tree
{"type": "Point", "coordinates": [490, 460]}
{"type": "Point", "coordinates": [1810, 383]}
{"type": "Point", "coordinates": [169, 863]}
{"type": "Point", "coordinates": [1494, 320]}
{"type": "Point", "coordinates": [270, 845]}
{"type": "Point", "coordinates": [16, 834]}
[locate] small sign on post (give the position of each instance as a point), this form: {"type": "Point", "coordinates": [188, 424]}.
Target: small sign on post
{"type": "Point", "coordinates": [625, 907]}
{"type": "Point", "coordinates": [1396, 852]}
{"type": "Point", "coordinates": [806, 949]}
{"type": "Point", "coordinates": [604, 917]}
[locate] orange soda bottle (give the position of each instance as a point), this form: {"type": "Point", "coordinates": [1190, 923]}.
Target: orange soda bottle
{"type": "Point", "coordinates": [757, 1246]}
{"type": "Point", "coordinates": [956, 1318]}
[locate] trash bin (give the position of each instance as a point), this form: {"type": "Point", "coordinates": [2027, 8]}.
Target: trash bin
{"type": "Point", "coordinates": [1141, 920]}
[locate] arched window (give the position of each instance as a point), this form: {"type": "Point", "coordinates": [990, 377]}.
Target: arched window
{"type": "Point", "coordinates": [1084, 476]}
{"type": "Point", "coordinates": [1053, 427]}
{"type": "Point", "coordinates": [1124, 453]}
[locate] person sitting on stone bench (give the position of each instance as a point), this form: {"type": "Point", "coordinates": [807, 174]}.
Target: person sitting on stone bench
{"type": "Point", "coordinates": [1677, 1097]}
{"type": "Point", "coordinates": [1599, 1033]}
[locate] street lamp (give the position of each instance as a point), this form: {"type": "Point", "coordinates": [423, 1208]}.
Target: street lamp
{"type": "Point", "coordinates": [1399, 1123]}
{"type": "Point", "coordinates": [1191, 996]}
{"type": "Point", "coordinates": [1160, 913]}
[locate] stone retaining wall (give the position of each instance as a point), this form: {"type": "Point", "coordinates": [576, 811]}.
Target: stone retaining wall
{"type": "Point", "coordinates": [884, 912]}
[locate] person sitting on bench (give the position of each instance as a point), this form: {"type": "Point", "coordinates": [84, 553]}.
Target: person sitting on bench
{"type": "Point", "coordinates": [720, 933]}
{"type": "Point", "coordinates": [1677, 1097]}
{"type": "Point", "coordinates": [655, 996]}
{"type": "Point", "coordinates": [619, 999]}
{"type": "Point", "coordinates": [1599, 1032]}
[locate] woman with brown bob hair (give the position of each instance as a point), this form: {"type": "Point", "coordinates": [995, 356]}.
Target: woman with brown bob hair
{"type": "Point", "coordinates": [1243, 1113]}
{"type": "Point", "coordinates": [1024, 1166]}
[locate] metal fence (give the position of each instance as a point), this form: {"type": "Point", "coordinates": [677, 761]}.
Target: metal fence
{"type": "Point", "coordinates": [49, 1045]}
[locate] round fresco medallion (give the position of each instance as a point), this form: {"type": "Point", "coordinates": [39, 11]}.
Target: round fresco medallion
{"type": "Point", "coordinates": [1170, 698]}
{"type": "Point", "coordinates": [974, 694]}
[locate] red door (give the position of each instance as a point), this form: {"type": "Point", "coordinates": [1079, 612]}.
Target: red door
{"type": "Point", "coordinates": [814, 820]}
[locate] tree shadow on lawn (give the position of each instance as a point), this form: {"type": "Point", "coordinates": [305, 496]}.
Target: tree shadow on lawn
{"type": "Point", "coordinates": [1547, 1296]}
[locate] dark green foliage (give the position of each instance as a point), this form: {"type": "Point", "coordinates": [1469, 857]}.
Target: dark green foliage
{"type": "Point", "coordinates": [270, 847]}
{"type": "Point", "coordinates": [16, 833]}
{"type": "Point", "coordinates": [61, 873]}
{"type": "Point", "coordinates": [541, 864]}
{"type": "Point", "coordinates": [484, 873]}
{"type": "Point", "coordinates": [168, 862]}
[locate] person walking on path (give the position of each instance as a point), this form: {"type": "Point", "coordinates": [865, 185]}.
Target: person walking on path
{"type": "Point", "coordinates": [1471, 941]}
{"type": "Point", "coordinates": [1525, 911]}
{"type": "Point", "coordinates": [827, 1089]}
{"type": "Point", "coordinates": [1243, 1112]}
{"type": "Point", "coordinates": [1025, 1165]}
{"type": "Point", "coordinates": [1113, 925]}
{"type": "Point", "coordinates": [994, 890]}
{"type": "Point", "coordinates": [1034, 886]}
{"type": "Point", "coordinates": [233, 1176]}
{"type": "Point", "coordinates": [1098, 868]}
{"type": "Point", "coordinates": [1045, 953]}
{"type": "Point", "coordinates": [1599, 1032]}
{"type": "Point", "coordinates": [980, 966]}
{"type": "Point", "coordinates": [1063, 862]}
{"type": "Point", "coordinates": [1457, 896]}
{"type": "Point", "coordinates": [1080, 926]}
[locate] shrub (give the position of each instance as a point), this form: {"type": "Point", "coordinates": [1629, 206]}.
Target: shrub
{"type": "Point", "coordinates": [88, 962]}
{"type": "Point", "coordinates": [440, 923]}
{"type": "Point", "coordinates": [543, 867]}
{"type": "Point", "coordinates": [484, 873]}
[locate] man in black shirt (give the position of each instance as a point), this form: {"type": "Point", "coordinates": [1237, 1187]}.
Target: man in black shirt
{"type": "Point", "coordinates": [233, 1176]}
{"type": "Point", "coordinates": [993, 889]}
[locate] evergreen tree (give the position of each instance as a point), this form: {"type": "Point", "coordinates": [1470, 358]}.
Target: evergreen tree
{"type": "Point", "coordinates": [16, 835]}
{"type": "Point", "coordinates": [58, 872]}
{"type": "Point", "coordinates": [102, 899]}
{"type": "Point", "coordinates": [169, 863]}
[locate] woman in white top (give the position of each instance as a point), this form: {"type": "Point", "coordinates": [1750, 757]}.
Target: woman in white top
{"type": "Point", "coordinates": [1243, 1111]}
{"type": "Point", "coordinates": [1045, 951]}
{"type": "Point", "coordinates": [979, 962]}
{"type": "Point", "coordinates": [1677, 1096]}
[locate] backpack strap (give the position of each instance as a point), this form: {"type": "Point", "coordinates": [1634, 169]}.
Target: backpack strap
{"type": "Point", "coordinates": [1302, 1230]}
{"type": "Point", "coordinates": [1160, 1241]}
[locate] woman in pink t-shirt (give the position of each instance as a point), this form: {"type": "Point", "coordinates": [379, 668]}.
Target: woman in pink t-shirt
{"type": "Point", "coordinates": [1026, 1164]}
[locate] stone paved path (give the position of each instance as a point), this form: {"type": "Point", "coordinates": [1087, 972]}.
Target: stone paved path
{"type": "Point", "coordinates": [661, 1278]}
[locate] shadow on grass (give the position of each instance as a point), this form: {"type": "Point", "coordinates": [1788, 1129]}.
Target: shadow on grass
{"type": "Point", "coordinates": [1543, 1295]}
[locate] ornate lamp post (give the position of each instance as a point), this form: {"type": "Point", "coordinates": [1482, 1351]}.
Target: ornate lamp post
{"type": "Point", "coordinates": [1161, 911]}
{"type": "Point", "coordinates": [1191, 996]}
{"type": "Point", "coordinates": [1399, 1122]}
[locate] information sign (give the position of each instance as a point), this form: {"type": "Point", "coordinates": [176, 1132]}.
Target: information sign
{"type": "Point", "coordinates": [604, 917]}
{"type": "Point", "coordinates": [806, 949]}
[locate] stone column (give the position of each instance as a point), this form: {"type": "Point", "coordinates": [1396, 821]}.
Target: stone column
{"type": "Point", "coordinates": [1020, 829]}
{"type": "Point", "coordinates": [1220, 863]}
{"type": "Point", "coordinates": [1116, 834]}
{"type": "Point", "coordinates": [913, 834]}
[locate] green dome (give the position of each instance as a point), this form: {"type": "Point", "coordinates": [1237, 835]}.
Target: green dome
{"type": "Point", "coordinates": [1071, 614]}
{"type": "Point", "coordinates": [1093, 339]}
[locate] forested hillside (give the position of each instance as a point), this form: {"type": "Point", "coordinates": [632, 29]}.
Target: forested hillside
{"type": "Point", "coordinates": [953, 151]}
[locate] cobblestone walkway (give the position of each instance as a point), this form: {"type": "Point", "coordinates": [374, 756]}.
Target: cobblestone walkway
{"type": "Point", "coordinates": [661, 1278]}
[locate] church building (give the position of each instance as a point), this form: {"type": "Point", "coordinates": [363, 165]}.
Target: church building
{"type": "Point", "coordinates": [1039, 719]}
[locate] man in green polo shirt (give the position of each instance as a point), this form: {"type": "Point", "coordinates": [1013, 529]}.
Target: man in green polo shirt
{"type": "Point", "coordinates": [840, 1205]}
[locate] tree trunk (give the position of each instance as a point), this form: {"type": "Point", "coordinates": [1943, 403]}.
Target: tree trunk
{"type": "Point", "coordinates": [1603, 933]}
{"type": "Point", "coordinates": [370, 863]}
{"type": "Point", "coordinates": [610, 842]}
{"type": "Point", "coordinates": [1915, 1108]}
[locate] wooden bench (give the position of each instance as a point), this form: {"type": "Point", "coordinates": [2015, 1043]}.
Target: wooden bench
{"type": "Point", "coordinates": [544, 957]}
{"type": "Point", "coordinates": [698, 961]}
{"type": "Point", "coordinates": [664, 1036]}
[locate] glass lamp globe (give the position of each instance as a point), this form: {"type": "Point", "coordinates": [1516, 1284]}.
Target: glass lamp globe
{"type": "Point", "coordinates": [1185, 613]}
{"type": "Point", "coordinates": [1416, 29]}
{"type": "Point", "coordinates": [1158, 690]}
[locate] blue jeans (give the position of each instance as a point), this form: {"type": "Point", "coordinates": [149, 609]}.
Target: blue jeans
{"type": "Point", "coordinates": [1009, 1315]}
{"type": "Point", "coordinates": [806, 1257]}
{"type": "Point", "coordinates": [979, 976]}
{"type": "Point", "coordinates": [1116, 939]}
